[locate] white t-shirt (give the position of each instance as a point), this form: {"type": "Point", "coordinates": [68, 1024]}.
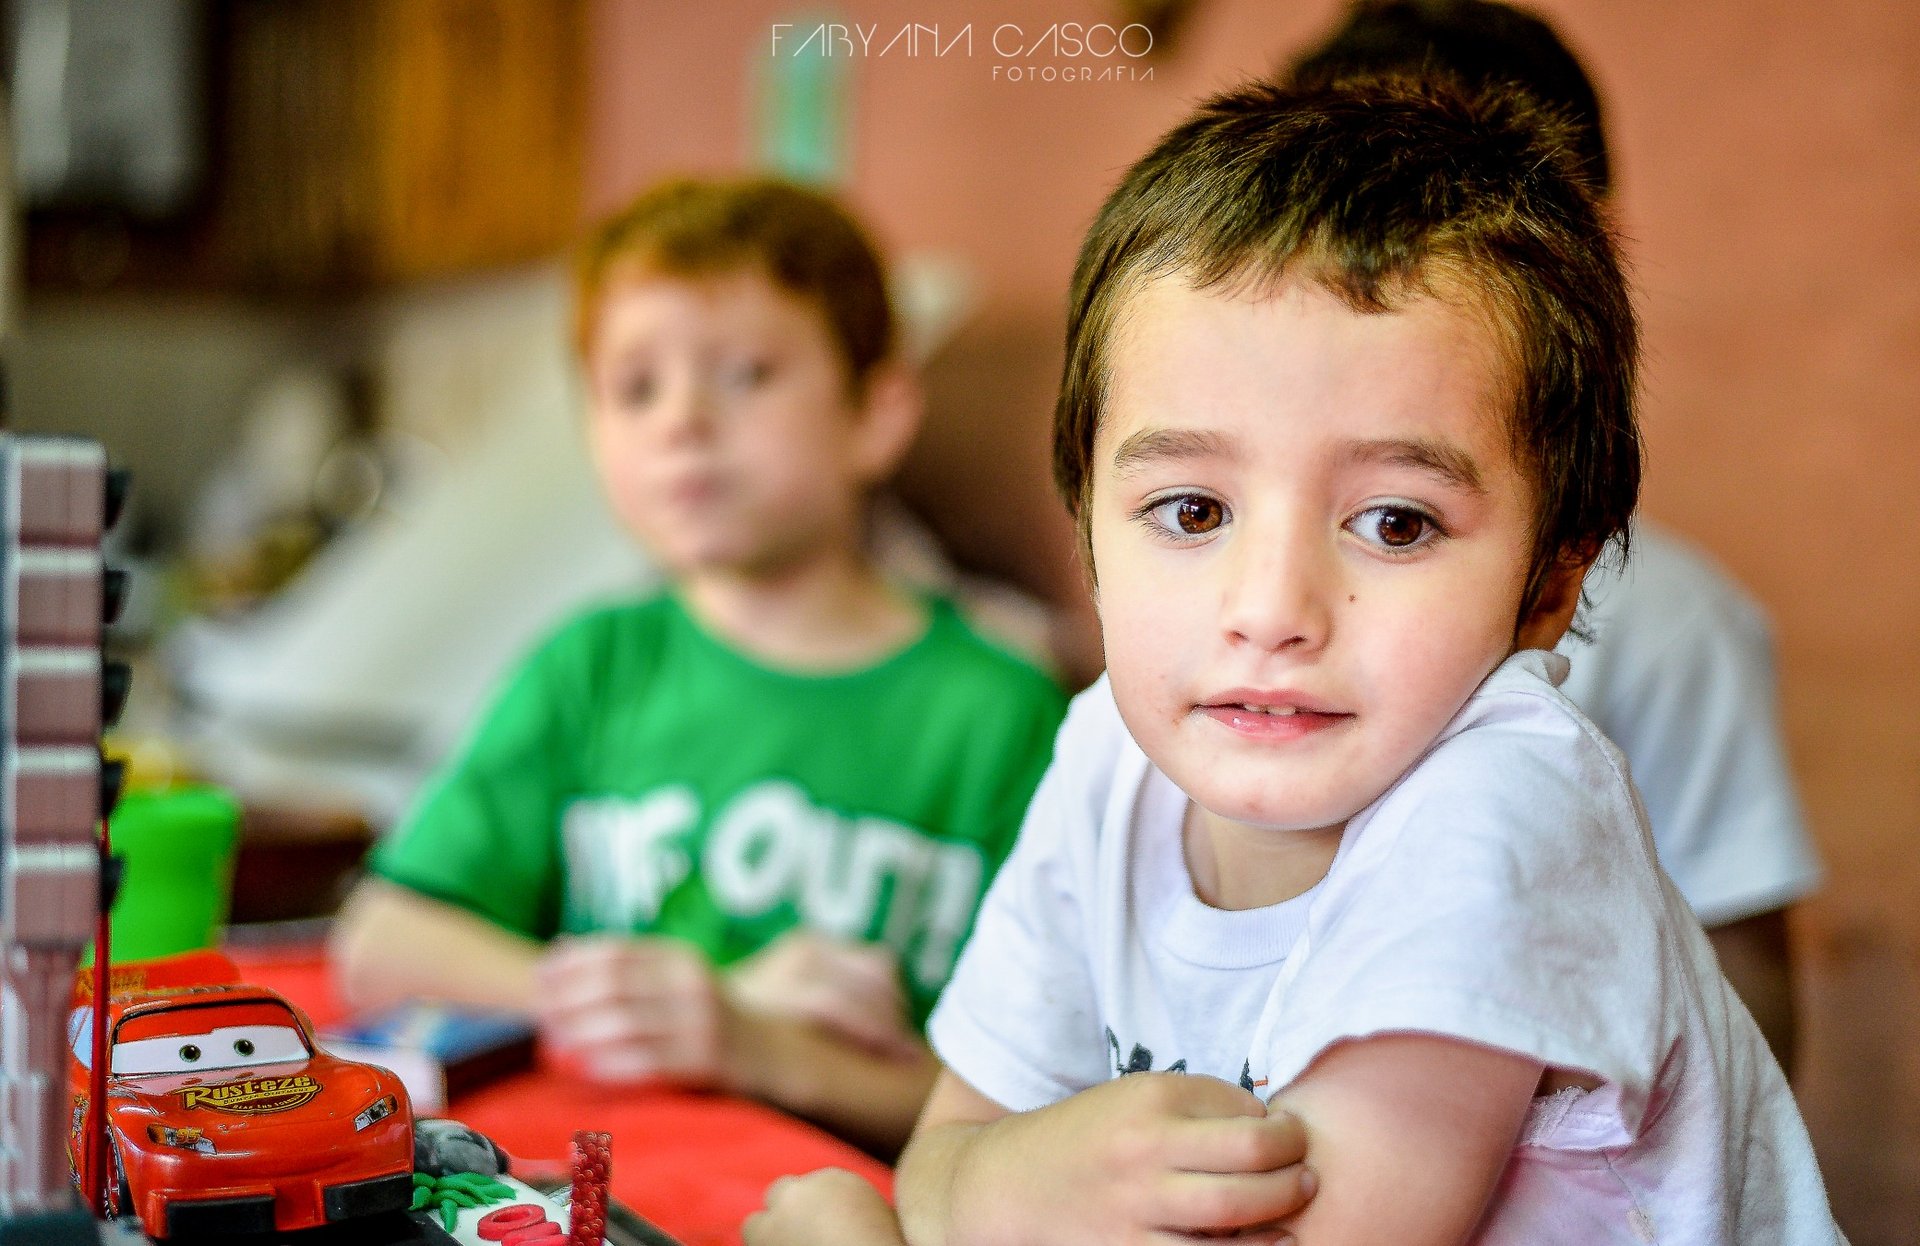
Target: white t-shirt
{"type": "Point", "coordinates": [1503, 891]}
{"type": "Point", "coordinates": [1680, 676]}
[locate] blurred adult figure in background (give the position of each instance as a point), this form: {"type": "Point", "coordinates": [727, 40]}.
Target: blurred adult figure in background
{"type": "Point", "coordinates": [1678, 670]}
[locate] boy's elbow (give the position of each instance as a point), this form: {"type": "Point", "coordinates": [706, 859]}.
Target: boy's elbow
{"type": "Point", "coordinates": [390, 944]}
{"type": "Point", "coordinates": [361, 942]}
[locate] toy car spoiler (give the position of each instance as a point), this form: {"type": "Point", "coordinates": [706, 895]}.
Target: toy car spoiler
{"type": "Point", "coordinates": [161, 976]}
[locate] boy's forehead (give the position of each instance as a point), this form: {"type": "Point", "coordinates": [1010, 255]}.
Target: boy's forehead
{"type": "Point", "coordinates": [743, 281]}
{"type": "Point", "coordinates": [637, 297]}
{"type": "Point", "coordinates": [1185, 357]}
{"type": "Point", "coordinates": [1148, 311]}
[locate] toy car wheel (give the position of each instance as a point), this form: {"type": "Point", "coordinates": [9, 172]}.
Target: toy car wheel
{"type": "Point", "coordinates": [122, 1192]}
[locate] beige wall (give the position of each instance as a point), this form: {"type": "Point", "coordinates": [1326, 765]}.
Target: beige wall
{"type": "Point", "coordinates": [1768, 159]}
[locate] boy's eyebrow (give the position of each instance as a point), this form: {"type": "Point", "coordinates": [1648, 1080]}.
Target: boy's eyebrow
{"type": "Point", "coordinates": [1152, 445]}
{"type": "Point", "coordinates": [1436, 457]}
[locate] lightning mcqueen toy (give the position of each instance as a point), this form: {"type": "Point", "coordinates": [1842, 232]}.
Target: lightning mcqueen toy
{"type": "Point", "coordinates": [222, 1116]}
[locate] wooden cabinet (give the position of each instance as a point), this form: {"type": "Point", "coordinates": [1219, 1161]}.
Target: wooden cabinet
{"type": "Point", "coordinates": [358, 143]}
{"type": "Point", "coordinates": [379, 140]}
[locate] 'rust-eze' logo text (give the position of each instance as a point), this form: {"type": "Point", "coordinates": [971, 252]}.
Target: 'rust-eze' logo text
{"type": "Point", "coordinates": [253, 1096]}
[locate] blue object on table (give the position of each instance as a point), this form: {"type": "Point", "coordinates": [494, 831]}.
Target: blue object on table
{"type": "Point", "coordinates": [472, 1045]}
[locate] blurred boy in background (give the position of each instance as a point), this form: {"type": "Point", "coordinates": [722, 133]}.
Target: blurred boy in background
{"type": "Point", "coordinates": [1679, 672]}
{"type": "Point", "coordinates": [734, 834]}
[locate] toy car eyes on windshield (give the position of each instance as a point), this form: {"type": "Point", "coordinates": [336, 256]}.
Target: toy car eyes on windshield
{"type": "Point", "coordinates": [227, 1047]}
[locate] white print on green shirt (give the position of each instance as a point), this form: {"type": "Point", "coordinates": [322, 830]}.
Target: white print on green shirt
{"type": "Point", "coordinates": [769, 845]}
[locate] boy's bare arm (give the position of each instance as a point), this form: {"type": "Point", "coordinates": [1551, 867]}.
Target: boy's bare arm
{"type": "Point", "coordinates": [390, 944]}
{"type": "Point", "coordinates": [630, 1010]}
{"type": "Point", "coordinates": [1757, 957]}
{"type": "Point", "coordinates": [928, 1171]}
{"type": "Point", "coordinates": [870, 1097]}
{"type": "Point", "coordinates": [1409, 1134]}
{"type": "Point", "coordinates": [1146, 1158]}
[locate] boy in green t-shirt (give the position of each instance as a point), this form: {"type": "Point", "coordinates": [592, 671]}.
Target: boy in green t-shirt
{"type": "Point", "coordinates": [731, 835]}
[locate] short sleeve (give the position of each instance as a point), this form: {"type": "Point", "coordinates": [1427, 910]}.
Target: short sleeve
{"type": "Point", "coordinates": [483, 834]}
{"type": "Point", "coordinates": [1503, 894]}
{"type": "Point", "coordinates": [1681, 677]}
{"type": "Point", "coordinates": [1019, 1019]}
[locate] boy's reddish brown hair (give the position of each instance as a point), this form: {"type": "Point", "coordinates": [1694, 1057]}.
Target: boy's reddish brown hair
{"type": "Point", "coordinates": [799, 239]}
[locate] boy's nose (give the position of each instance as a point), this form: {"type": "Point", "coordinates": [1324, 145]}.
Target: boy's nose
{"type": "Point", "coordinates": [1275, 594]}
{"type": "Point", "coordinates": [687, 414]}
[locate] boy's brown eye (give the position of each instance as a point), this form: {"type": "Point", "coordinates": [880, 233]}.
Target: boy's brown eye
{"type": "Point", "coordinates": [1196, 516]}
{"type": "Point", "coordinates": [1401, 528]}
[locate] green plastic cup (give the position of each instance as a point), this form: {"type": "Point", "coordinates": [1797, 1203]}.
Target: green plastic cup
{"type": "Point", "coordinates": [176, 846]}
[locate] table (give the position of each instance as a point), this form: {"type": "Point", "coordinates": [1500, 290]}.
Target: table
{"type": "Point", "coordinates": [696, 1164]}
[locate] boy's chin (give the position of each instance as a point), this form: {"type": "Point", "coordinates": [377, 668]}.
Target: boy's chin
{"type": "Point", "coordinates": [1266, 816]}
{"type": "Point", "coordinates": [682, 561]}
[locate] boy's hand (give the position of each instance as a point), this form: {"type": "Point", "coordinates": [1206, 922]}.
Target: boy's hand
{"type": "Point", "coordinates": [830, 1207]}
{"type": "Point", "coordinates": [623, 1009]}
{"type": "Point", "coordinates": [850, 988]}
{"type": "Point", "coordinates": [1145, 1158]}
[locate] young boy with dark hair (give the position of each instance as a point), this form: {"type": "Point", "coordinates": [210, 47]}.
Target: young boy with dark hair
{"type": "Point", "coordinates": [1678, 667]}
{"type": "Point", "coordinates": [732, 834]}
{"type": "Point", "coordinates": [1327, 862]}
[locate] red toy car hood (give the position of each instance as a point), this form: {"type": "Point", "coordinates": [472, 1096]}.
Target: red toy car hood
{"type": "Point", "coordinates": [296, 1092]}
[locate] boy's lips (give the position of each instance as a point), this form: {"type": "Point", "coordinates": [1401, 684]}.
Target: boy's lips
{"type": "Point", "coordinates": [1268, 714]}
{"type": "Point", "coordinates": [692, 489]}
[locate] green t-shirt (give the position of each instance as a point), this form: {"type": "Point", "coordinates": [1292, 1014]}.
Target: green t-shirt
{"type": "Point", "coordinates": [636, 774]}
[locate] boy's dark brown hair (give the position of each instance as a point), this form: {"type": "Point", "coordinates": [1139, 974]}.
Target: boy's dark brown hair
{"type": "Point", "coordinates": [1382, 192]}
{"type": "Point", "coordinates": [799, 239]}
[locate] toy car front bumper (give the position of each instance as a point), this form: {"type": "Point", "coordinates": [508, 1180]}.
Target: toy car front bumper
{"type": "Point", "coordinates": [367, 1198]}
{"type": "Point", "coordinates": [219, 1216]}
{"type": "Point", "coordinates": [292, 1208]}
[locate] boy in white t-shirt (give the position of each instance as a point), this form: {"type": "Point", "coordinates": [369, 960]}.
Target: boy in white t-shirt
{"type": "Point", "coordinates": [1326, 862]}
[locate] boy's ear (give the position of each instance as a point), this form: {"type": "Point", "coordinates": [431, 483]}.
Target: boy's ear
{"type": "Point", "coordinates": [1552, 614]}
{"type": "Point", "coordinates": [891, 405]}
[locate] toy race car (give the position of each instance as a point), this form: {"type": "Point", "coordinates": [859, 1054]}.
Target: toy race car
{"type": "Point", "coordinates": [222, 1116]}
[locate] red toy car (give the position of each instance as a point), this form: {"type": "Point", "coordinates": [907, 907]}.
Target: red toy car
{"type": "Point", "coordinates": [223, 1116]}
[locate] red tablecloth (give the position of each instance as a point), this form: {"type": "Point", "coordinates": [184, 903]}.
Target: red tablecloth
{"type": "Point", "coordinates": [694, 1164]}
